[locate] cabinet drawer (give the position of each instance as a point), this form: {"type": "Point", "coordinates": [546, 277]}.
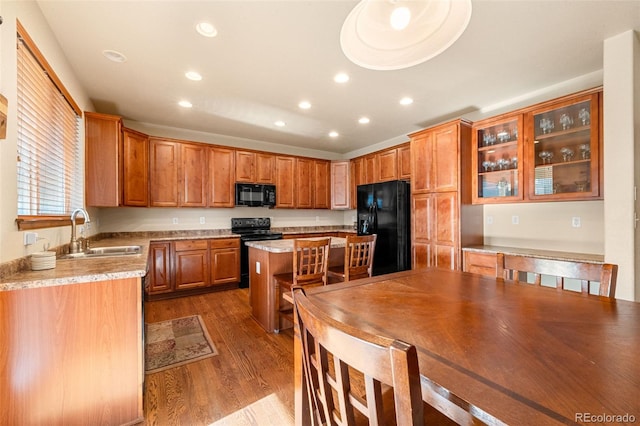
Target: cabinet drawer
{"type": "Point", "coordinates": [480, 263]}
{"type": "Point", "coordinates": [191, 245]}
{"type": "Point", "coordinates": [224, 243]}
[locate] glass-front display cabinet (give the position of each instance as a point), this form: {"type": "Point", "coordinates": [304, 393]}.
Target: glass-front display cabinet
{"type": "Point", "coordinates": [497, 161]}
{"type": "Point", "coordinates": [562, 150]}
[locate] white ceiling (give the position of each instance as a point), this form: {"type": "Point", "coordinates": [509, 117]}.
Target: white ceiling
{"type": "Point", "coordinates": [270, 55]}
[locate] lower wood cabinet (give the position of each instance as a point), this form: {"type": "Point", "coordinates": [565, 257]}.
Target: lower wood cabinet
{"type": "Point", "coordinates": [192, 266]}
{"type": "Point", "coordinates": [479, 263]}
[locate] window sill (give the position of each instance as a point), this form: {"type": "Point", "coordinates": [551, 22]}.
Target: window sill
{"type": "Point", "coordinates": [26, 223]}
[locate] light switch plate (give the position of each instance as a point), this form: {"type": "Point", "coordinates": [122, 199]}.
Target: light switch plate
{"type": "Point", "coordinates": [258, 268]}
{"type": "Point", "coordinates": [576, 222]}
{"type": "Point", "coordinates": [515, 220]}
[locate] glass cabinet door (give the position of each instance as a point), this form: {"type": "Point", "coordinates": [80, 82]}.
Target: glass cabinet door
{"type": "Point", "coordinates": [562, 150]}
{"type": "Point", "coordinates": [497, 161]}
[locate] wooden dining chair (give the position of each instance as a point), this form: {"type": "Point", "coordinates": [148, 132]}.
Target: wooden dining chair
{"type": "Point", "coordinates": [510, 266]}
{"type": "Point", "coordinates": [333, 353]}
{"type": "Point", "coordinates": [358, 259]}
{"type": "Point", "coordinates": [310, 267]}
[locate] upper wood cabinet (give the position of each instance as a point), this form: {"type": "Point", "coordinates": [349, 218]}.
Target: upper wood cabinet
{"type": "Point", "coordinates": [370, 168]}
{"type": "Point", "coordinates": [285, 182]}
{"type": "Point", "coordinates": [340, 185]}
{"type": "Point", "coordinates": [103, 147]}
{"type": "Point", "coordinates": [404, 161]}
{"type": "Point", "coordinates": [497, 172]}
{"type": "Point", "coordinates": [255, 167]}
{"type": "Point", "coordinates": [387, 165]}
{"type": "Point", "coordinates": [322, 179]}
{"type": "Point", "coordinates": [562, 149]}
{"type": "Point", "coordinates": [163, 172]}
{"type": "Point", "coordinates": [135, 168]}
{"type": "Point", "coordinates": [357, 178]}
{"type": "Point", "coordinates": [304, 183]}
{"type": "Point", "coordinates": [193, 175]}
{"type": "Point", "coordinates": [435, 157]}
{"type": "Point", "coordinates": [221, 177]}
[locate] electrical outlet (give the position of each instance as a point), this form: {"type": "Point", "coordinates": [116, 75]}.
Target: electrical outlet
{"type": "Point", "coordinates": [258, 268]}
{"type": "Point", "coordinates": [489, 220]}
{"type": "Point", "coordinates": [575, 222]}
{"type": "Point", "coordinates": [201, 220]}
{"type": "Point", "coordinates": [174, 220]}
{"type": "Point", "coordinates": [30, 238]}
{"type": "Point", "coordinates": [515, 220]}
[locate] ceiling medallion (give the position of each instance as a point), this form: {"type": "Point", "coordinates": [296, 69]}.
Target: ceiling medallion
{"type": "Point", "coordinates": [397, 34]}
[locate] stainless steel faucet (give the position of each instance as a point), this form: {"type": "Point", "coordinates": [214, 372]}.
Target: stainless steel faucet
{"type": "Point", "coordinates": [74, 245]}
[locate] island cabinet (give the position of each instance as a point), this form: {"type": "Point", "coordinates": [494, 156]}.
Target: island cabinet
{"type": "Point", "coordinates": [72, 354]}
{"type": "Point", "coordinates": [221, 177]}
{"type": "Point", "coordinates": [443, 218]}
{"type": "Point", "coordinates": [254, 167]}
{"type": "Point", "coordinates": [186, 267]}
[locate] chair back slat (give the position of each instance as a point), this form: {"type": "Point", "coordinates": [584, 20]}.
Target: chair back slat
{"type": "Point", "coordinates": [358, 258]}
{"type": "Point", "coordinates": [334, 353]}
{"type": "Point", "coordinates": [310, 261]}
{"type": "Point", "coordinates": [509, 267]}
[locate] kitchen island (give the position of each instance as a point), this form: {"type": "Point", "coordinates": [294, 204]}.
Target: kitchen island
{"type": "Point", "coordinates": [268, 258]}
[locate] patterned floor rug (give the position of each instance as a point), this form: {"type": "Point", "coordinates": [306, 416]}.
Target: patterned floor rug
{"type": "Point", "coordinates": [169, 344]}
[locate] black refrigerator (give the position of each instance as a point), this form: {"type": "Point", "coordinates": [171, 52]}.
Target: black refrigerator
{"type": "Point", "coordinates": [383, 209]}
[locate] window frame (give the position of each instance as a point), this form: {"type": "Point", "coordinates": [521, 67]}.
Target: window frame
{"type": "Point", "coordinates": [28, 222]}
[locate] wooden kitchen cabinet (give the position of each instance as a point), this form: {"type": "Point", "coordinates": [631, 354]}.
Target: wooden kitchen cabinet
{"type": "Point", "coordinates": [387, 165]}
{"type": "Point", "coordinates": [193, 175]}
{"type": "Point", "coordinates": [160, 279]}
{"type": "Point", "coordinates": [322, 179]}
{"type": "Point", "coordinates": [562, 149]}
{"type": "Point", "coordinates": [163, 172]}
{"type": "Point", "coordinates": [304, 183]}
{"type": "Point", "coordinates": [357, 178]}
{"type": "Point", "coordinates": [285, 182]}
{"type": "Point", "coordinates": [225, 260]}
{"type": "Point", "coordinates": [103, 151]}
{"type": "Point", "coordinates": [72, 354]}
{"type": "Point", "coordinates": [443, 217]}
{"type": "Point", "coordinates": [404, 161]}
{"type": "Point", "coordinates": [221, 177]}
{"type": "Point", "coordinates": [370, 168]}
{"type": "Point", "coordinates": [135, 168]}
{"type": "Point", "coordinates": [480, 263]}
{"type": "Point", "coordinates": [497, 166]}
{"type": "Point", "coordinates": [340, 185]}
{"type": "Point", "coordinates": [255, 167]}
{"type": "Point", "coordinates": [192, 266]}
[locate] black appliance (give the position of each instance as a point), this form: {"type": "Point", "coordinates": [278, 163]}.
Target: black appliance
{"type": "Point", "coordinates": [252, 195]}
{"type": "Point", "coordinates": [251, 229]}
{"type": "Point", "coordinates": [383, 209]}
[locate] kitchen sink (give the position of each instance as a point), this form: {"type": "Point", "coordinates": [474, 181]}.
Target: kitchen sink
{"type": "Point", "coordinates": [104, 252]}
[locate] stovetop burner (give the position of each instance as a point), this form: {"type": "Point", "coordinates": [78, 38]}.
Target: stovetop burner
{"type": "Point", "coordinates": [253, 226]}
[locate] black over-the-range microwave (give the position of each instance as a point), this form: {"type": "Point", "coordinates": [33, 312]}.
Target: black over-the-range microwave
{"type": "Point", "coordinates": [252, 195]}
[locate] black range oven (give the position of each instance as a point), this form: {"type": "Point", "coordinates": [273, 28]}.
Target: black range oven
{"type": "Point", "coordinates": [251, 229]}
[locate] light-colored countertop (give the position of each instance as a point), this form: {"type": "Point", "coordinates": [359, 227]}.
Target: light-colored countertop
{"type": "Point", "coordinates": [540, 254]}
{"type": "Point", "coordinates": [286, 246]}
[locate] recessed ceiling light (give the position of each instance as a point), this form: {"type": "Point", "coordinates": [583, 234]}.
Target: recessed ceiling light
{"type": "Point", "coordinates": [406, 101]}
{"type": "Point", "coordinates": [364, 120]}
{"type": "Point", "coordinates": [206, 29]}
{"type": "Point", "coordinates": [192, 75]}
{"type": "Point", "coordinates": [341, 77]}
{"type": "Point", "coordinates": [185, 104]}
{"type": "Point", "coordinates": [304, 105]}
{"type": "Point", "coordinates": [114, 55]}
{"type": "Point", "coordinates": [279, 123]}
{"type": "Point", "coordinates": [333, 134]}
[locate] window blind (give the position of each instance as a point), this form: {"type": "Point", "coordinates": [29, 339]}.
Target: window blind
{"type": "Point", "coordinates": [49, 159]}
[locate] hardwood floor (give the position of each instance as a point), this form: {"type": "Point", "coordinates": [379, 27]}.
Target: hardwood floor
{"type": "Point", "coordinates": [250, 382]}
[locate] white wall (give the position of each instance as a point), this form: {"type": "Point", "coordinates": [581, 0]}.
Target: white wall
{"type": "Point", "coordinates": [28, 12]}
{"type": "Point", "coordinates": [621, 152]}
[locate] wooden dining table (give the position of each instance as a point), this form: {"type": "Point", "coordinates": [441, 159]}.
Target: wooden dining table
{"type": "Point", "coordinates": [498, 352]}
